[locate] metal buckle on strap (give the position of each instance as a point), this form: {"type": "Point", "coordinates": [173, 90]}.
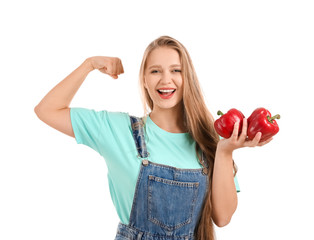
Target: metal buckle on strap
{"type": "Point", "coordinates": [145, 162]}
{"type": "Point", "coordinates": [139, 236]}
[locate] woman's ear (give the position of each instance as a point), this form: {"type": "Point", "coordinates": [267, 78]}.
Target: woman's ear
{"type": "Point", "coordinates": [145, 84]}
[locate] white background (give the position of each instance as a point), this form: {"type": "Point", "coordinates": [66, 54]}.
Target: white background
{"type": "Point", "coordinates": [247, 54]}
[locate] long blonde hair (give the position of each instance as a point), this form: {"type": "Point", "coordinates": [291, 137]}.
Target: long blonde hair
{"type": "Point", "coordinates": [197, 118]}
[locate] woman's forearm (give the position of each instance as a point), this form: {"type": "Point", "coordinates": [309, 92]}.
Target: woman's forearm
{"type": "Point", "coordinates": [224, 194]}
{"type": "Point", "coordinates": [62, 94]}
{"type": "Point", "coordinates": [54, 108]}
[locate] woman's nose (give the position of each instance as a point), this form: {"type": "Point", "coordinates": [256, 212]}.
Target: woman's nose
{"type": "Point", "coordinates": [166, 77]}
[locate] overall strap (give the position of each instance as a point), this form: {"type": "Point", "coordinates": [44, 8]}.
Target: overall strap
{"type": "Point", "coordinates": [138, 135]}
{"type": "Point", "coordinates": [203, 160]}
{"type": "Point", "coordinates": [204, 164]}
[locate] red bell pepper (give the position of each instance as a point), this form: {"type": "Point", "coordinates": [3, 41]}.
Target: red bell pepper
{"type": "Point", "coordinates": [225, 124]}
{"type": "Point", "coordinates": [261, 121]}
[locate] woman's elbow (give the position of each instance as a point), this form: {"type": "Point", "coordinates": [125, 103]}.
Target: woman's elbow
{"type": "Point", "coordinates": [222, 222]}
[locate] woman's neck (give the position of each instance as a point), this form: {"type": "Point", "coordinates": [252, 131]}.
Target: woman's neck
{"type": "Point", "coordinates": [170, 120]}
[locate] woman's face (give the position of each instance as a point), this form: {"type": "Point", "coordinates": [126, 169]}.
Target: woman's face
{"type": "Point", "coordinates": [163, 79]}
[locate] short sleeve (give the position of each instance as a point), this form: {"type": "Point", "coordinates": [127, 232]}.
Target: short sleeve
{"type": "Point", "coordinates": [86, 124]}
{"type": "Point", "coordinates": [236, 183]}
{"type": "Point", "coordinates": [102, 131]}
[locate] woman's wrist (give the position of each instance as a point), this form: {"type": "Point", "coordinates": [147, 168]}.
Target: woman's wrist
{"type": "Point", "coordinates": [88, 64]}
{"type": "Point", "coordinates": [224, 153]}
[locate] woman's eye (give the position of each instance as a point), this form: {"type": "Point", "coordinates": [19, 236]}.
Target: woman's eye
{"type": "Point", "coordinates": [154, 71]}
{"type": "Point", "coordinates": [177, 70]}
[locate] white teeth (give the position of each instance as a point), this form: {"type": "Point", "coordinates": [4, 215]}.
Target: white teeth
{"type": "Point", "coordinates": [162, 90]}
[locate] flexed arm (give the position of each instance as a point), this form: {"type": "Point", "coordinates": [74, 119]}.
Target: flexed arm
{"type": "Point", "coordinates": [54, 109]}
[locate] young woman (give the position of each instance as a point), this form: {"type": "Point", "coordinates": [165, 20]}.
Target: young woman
{"type": "Point", "coordinates": [170, 175]}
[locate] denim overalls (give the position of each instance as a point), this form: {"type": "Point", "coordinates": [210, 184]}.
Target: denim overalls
{"type": "Point", "coordinates": [167, 201]}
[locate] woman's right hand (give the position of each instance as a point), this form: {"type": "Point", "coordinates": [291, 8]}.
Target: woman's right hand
{"type": "Point", "coordinates": [108, 65]}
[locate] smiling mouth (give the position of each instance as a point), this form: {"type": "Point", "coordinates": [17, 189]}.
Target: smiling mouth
{"type": "Point", "coordinates": [166, 93]}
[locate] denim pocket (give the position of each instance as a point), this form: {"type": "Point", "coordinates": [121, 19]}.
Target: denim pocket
{"type": "Point", "coordinates": [171, 203]}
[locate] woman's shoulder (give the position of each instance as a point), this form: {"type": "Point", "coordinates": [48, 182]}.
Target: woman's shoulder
{"type": "Point", "coordinates": [113, 117]}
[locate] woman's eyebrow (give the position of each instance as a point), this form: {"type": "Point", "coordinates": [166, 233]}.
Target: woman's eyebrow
{"type": "Point", "coordinates": [159, 66]}
{"type": "Point", "coordinates": [175, 65]}
{"type": "Point", "coordinates": [155, 66]}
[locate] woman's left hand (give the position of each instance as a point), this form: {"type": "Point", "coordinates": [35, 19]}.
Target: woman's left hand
{"type": "Point", "coordinates": [227, 145]}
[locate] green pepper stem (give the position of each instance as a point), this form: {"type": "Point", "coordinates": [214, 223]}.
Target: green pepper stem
{"type": "Point", "coordinates": [270, 119]}
{"type": "Point", "coordinates": [220, 113]}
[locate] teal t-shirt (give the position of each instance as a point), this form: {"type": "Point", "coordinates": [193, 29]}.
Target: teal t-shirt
{"type": "Point", "coordinates": [110, 134]}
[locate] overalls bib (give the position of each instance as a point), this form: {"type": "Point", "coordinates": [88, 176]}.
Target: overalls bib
{"type": "Point", "coordinates": [167, 201]}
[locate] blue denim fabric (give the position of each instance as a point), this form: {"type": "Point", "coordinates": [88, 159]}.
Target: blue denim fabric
{"type": "Point", "coordinates": [138, 135]}
{"type": "Point", "coordinates": [167, 201]}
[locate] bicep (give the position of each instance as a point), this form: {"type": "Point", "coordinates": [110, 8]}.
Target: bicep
{"type": "Point", "coordinates": [58, 119]}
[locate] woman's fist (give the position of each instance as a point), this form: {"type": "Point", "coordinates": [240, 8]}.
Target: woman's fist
{"type": "Point", "coordinates": [108, 65]}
